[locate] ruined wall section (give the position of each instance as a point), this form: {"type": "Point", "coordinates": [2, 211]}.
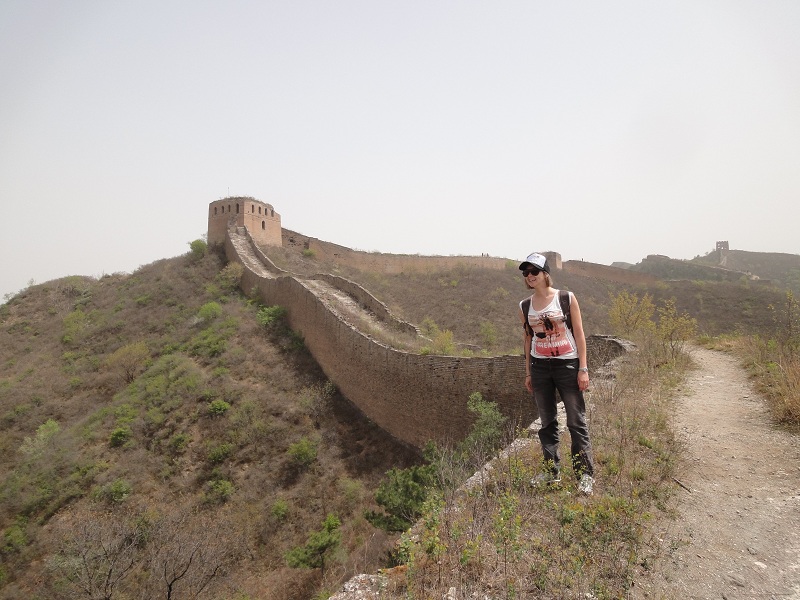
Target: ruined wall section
{"type": "Point", "coordinates": [369, 302]}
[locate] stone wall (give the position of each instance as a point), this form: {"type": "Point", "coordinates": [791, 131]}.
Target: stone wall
{"type": "Point", "coordinates": [334, 255]}
{"type": "Point", "coordinates": [607, 273]}
{"type": "Point", "coordinates": [414, 398]}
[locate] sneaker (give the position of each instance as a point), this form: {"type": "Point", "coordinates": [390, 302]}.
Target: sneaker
{"type": "Point", "coordinates": [585, 485]}
{"type": "Point", "coordinates": [546, 478]}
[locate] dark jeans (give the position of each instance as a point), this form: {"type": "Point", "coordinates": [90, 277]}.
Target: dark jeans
{"type": "Point", "coordinates": [549, 375]}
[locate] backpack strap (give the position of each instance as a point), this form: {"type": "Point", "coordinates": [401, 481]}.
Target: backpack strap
{"type": "Point", "coordinates": [526, 307]}
{"type": "Point", "coordinates": [564, 300]}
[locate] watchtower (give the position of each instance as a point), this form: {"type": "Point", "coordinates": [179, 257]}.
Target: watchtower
{"type": "Point", "coordinates": [260, 219]}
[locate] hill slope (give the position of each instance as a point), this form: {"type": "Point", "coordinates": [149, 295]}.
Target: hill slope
{"type": "Point", "coordinates": [158, 398]}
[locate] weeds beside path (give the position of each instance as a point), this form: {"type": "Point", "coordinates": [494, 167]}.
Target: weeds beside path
{"type": "Point", "coordinates": [737, 532]}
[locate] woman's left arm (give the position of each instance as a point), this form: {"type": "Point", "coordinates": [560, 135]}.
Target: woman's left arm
{"type": "Point", "coordinates": [580, 341]}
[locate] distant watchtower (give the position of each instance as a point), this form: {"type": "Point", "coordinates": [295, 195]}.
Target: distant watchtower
{"type": "Point", "coordinates": [260, 219]}
{"type": "Point", "coordinates": [723, 245]}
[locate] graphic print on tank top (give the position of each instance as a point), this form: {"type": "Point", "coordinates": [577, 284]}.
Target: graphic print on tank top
{"type": "Point", "coordinates": [550, 334]}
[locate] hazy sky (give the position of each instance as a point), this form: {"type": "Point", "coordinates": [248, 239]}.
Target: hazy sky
{"type": "Point", "coordinates": [602, 130]}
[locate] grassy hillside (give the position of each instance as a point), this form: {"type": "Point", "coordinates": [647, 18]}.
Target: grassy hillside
{"type": "Point", "coordinates": [781, 269]}
{"type": "Point", "coordinates": [157, 402]}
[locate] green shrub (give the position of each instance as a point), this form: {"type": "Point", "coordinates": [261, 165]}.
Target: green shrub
{"type": "Point", "coordinates": [217, 408]}
{"type": "Point", "coordinates": [219, 453]}
{"type": "Point", "coordinates": [209, 311]}
{"type": "Point", "coordinates": [319, 544]}
{"type": "Point", "coordinates": [401, 495]}
{"type": "Point", "coordinates": [219, 491]}
{"type": "Point", "coordinates": [179, 442]}
{"type": "Point", "coordinates": [488, 334]}
{"type": "Point", "coordinates": [33, 447]}
{"type": "Point", "coordinates": [75, 325]}
{"type": "Point", "coordinates": [115, 492]}
{"type": "Point", "coordinates": [303, 453]}
{"type": "Point", "coordinates": [309, 253]}
{"type": "Point", "coordinates": [15, 537]}
{"type": "Point", "coordinates": [267, 315]}
{"type": "Point", "coordinates": [198, 249]}
{"type": "Point", "coordinates": [280, 509]}
{"type": "Point", "coordinates": [213, 341]}
{"type": "Point", "coordinates": [485, 436]}
{"type": "Point", "coordinates": [120, 436]}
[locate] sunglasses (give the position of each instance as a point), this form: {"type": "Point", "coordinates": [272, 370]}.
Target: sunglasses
{"type": "Point", "coordinates": [531, 271]}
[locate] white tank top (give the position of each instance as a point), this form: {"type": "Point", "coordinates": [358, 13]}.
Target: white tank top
{"type": "Point", "coordinates": [551, 336]}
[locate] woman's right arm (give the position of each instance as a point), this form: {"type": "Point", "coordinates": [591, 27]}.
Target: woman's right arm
{"type": "Point", "coordinates": [527, 346]}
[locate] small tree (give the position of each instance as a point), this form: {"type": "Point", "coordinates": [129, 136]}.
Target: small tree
{"type": "Point", "coordinates": [186, 552]}
{"type": "Point", "coordinates": [129, 361]}
{"type": "Point", "coordinates": [630, 314]}
{"type": "Point", "coordinates": [318, 546]}
{"type": "Point", "coordinates": [674, 329]}
{"type": "Point", "coordinates": [401, 495]}
{"type": "Point", "coordinates": [34, 447]}
{"type": "Point", "coordinates": [487, 430]}
{"type": "Point", "coordinates": [98, 552]}
{"type": "Point", "coordinates": [198, 249]}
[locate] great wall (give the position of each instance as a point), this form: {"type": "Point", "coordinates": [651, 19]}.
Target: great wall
{"type": "Point", "coordinates": [413, 397]}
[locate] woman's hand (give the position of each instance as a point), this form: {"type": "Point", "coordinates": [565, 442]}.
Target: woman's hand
{"type": "Point", "coordinates": [528, 383]}
{"type": "Point", "coordinates": [583, 381]}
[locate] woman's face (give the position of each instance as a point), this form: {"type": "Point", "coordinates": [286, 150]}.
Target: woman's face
{"type": "Point", "coordinates": [534, 277]}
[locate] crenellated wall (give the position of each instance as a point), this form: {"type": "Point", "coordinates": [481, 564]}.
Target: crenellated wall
{"type": "Point", "coordinates": [414, 398]}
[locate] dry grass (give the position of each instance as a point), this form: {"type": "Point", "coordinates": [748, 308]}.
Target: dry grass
{"type": "Point", "coordinates": [772, 356]}
{"type": "Point", "coordinates": [776, 371]}
{"type": "Point", "coordinates": [504, 539]}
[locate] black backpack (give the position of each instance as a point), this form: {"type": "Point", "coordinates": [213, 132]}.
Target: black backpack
{"type": "Point", "coordinates": [563, 300]}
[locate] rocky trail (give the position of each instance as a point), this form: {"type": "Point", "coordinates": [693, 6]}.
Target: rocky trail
{"type": "Point", "coordinates": [737, 532]}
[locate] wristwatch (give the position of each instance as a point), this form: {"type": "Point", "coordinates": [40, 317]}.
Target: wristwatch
{"type": "Point", "coordinates": [584, 369]}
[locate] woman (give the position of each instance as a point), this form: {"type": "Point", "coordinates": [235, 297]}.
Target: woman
{"type": "Point", "coordinates": [555, 359]}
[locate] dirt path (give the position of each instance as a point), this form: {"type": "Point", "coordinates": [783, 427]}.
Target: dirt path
{"type": "Point", "coordinates": [738, 531]}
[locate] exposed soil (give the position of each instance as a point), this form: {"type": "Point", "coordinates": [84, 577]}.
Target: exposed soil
{"type": "Point", "coordinates": [737, 534]}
